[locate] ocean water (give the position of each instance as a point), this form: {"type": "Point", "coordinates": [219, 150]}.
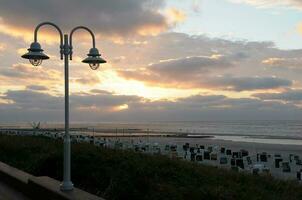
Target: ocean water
{"type": "Point", "coordinates": [277, 132]}
{"type": "Point", "coordinates": [265, 129]}
{"type": "Point", "coordinates": [270, 132]}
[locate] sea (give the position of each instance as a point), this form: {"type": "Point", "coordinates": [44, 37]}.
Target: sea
{"type": "Point", "coordinates": [268, 131]}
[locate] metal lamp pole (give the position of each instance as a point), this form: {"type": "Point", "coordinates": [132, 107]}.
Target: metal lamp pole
{"type": "Point", "coordinates": [35, 55]}
{"type": "Point", "coordinates": [67, 184]}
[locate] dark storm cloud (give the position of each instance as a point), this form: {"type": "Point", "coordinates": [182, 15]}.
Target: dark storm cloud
{"type": "Point", "coordinates": [31, 105]}
{"type": "Point", "coordinates": [114, 16]}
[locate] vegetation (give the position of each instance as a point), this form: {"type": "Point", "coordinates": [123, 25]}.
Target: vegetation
{"type": "Point", "coordinates": [116, 174]}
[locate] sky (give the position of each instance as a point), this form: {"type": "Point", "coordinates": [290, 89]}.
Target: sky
{"type": "Point", "coordinates": [167, 60]}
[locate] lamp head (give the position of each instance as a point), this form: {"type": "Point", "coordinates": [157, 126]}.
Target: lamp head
{"type": "Point", "coordinates": [35, 54]}
{"type": "Point", "coordinates": [94, 60]}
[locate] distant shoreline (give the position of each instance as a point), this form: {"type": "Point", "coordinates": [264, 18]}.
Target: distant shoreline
{"type": "Point", "coordinates": [170, 135]}
{"type": "Point", "coordinates": [118, 132]}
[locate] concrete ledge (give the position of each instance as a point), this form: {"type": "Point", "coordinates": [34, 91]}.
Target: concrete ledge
{"type": "Point", "coordinates": [39, 188]}
{"type": "Point", "coordinates": [46, 185]}
{"type": "Point", "coordinates": [15, 178]}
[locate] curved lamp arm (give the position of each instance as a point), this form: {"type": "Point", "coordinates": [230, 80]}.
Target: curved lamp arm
{"type": "Point", "coordinates": [71, 33]}
{"type": "Point", "coordinates": [59, 30]}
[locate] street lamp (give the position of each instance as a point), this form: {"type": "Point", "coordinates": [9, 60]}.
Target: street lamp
{"type": "Point", "coordinates": [36, 56]}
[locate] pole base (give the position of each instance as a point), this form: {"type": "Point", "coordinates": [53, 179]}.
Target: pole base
{"type": "Point", "coordinates": [66, 186]}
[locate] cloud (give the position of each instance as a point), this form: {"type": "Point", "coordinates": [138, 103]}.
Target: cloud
{"type": "Point", "coordinates": [289, 95]}
{"type": "Point", "coordinates": [32, 100]}
{"type": "Point", "coordinates": [193, 72]}
{"type": "Point", "coordinates": [88, 80]}
{"type": "Point", "coordinates": [20, 74]}
{"type": "Point", "coordinates": [202, 81]}
{"type": "Point", "coordinates": [101, 100]}
{"type": "Point", "coordinates": [184, 67]}
{"type": "Point", "coordinates": [27, 71]}
{"type": "Point", "coordinates": [2, 46]}
{"type": "Point", "coordinates": [180, 64]}
{"type": "Point", "coordinates": [247, 83]}
{"type": "Point", "coordinates": [36, 87]}
{"type": "Point", "coordinates": [175, 60]}
{"type": "Point", "coordinates": [176, 15]}
{"type": "Point", "coordinates": [175, 47]}
{"type": "Point", "coordinates": [179, 72]}
{"type": "Point", "coordinates": [115, 17]}
{"type": "Point", "coordinates": [97, 91]}
{"type": "Point", "coordinates": [29, 105]}
{"type": "Point", "coordinates": [290, 63]}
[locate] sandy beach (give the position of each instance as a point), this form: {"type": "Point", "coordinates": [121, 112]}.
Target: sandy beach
{"type": "Point", "coordinates": [272, 151]}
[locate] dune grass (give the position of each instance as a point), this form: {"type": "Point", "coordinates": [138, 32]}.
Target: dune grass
{"type": "Point", "coordinates": [117, 174]}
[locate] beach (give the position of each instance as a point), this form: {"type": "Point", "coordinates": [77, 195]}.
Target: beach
{"type": "Point", "coordinates": [201, 138]}
{"type": "Point", "coordinates": [272, 152]}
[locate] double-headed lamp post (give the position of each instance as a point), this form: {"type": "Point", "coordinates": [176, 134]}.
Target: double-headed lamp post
{"type": "Point", "coordinates": [35, 55]}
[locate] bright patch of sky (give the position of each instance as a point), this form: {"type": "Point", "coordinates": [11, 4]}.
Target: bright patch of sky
{"type": "Point", "coordinates": [235, 21]}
